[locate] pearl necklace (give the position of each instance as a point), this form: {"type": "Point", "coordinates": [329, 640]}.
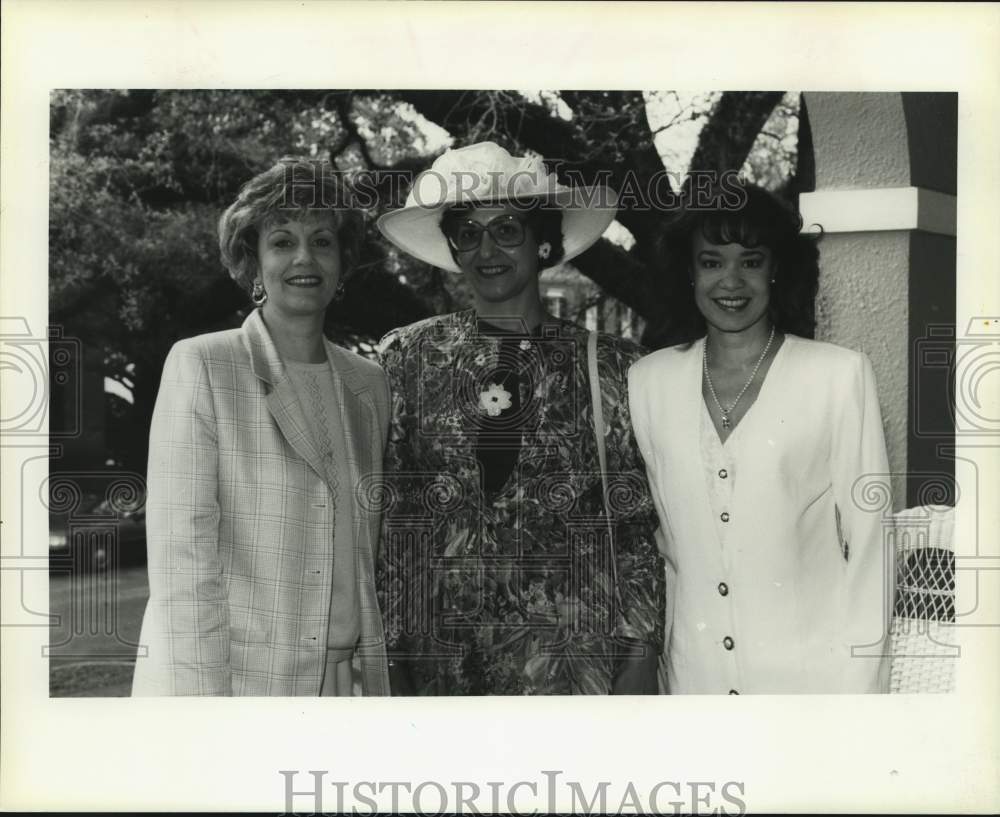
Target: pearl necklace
{"type": "Point", "coordinates": [725, 412]}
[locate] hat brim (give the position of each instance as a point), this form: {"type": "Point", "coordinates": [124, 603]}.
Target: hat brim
{"type": "Point", "coordinates": [587, 213]}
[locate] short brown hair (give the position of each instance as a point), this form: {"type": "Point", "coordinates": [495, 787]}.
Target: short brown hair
{"type": "Point", "coordinates": [289, 189]}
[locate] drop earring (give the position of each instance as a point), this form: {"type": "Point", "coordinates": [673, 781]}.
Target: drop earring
{"type": "Point", "coordinates": [258, 296]}
{"type": "Point", "coordinates": [544, 250]}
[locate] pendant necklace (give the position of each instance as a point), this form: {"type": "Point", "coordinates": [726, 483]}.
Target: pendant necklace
{"type": "Point", "coordinates": [725, 412]}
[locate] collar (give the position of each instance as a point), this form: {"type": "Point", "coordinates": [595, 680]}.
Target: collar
{"type": "Point", "coordinates": [266, 363]}
{"type": "Point", "coordinates": [485, 327]}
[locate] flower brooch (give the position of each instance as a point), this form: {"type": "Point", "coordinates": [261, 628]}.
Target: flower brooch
{"type": "Point", "coordinates": [494, 400]}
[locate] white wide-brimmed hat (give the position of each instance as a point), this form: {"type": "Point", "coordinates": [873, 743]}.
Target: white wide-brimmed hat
{"type": "Point", "coordinates": [486, 173]}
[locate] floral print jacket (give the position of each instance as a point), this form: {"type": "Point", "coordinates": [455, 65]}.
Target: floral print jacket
{"type": "Point", "coordinates": [517, 591]}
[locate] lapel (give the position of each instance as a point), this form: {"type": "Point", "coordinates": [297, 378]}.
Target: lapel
{"type": "Point", "coordinates": [684, 425]}
{"type": "Point", "coordinates": [688, 411]}
{"type": "Point", "coordinates": [565, 427]}
{"type": "Point", "coordinates": [287, 411]}
{"type": "Point", "coordinates": [447, 357]}
{"type": "Point", "coordinates": [770, 420]}
{"type": "Point", "coordinates": [355, 399]}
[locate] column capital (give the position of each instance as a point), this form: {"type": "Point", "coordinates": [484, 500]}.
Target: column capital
{"type": "Point", "coordinates": [878, 209]}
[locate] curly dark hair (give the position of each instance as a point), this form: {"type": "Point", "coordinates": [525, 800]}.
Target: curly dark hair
{"type": "Point", "coordinates": [289, 189]}
{"type": "Point", "coordinates": [545, 224]}
{"type": "Point", "coordinates": [762, 219]}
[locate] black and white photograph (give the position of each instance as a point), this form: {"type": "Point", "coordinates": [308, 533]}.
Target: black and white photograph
{"type": "Point", "coordinates": [497, 550]}
{"type": "Point", "coordinates": [520, 388]}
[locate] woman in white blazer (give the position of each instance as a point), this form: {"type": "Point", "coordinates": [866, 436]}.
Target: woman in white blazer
{"type": "Point", "coordinates": [761, 447]}
{"type": "Point", "coordinates": [260, 552]}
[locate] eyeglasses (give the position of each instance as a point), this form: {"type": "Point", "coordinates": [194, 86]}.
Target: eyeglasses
{"type": "Point", "coordinates": [506, 231]}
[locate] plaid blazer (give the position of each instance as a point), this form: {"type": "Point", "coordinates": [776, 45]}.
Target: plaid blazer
{"type": "Point", "coordinates": [240, 522]}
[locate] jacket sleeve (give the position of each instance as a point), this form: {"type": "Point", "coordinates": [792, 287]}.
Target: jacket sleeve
{"type": "Point", "coordinates": [392, 565]}
{"type": "Point", "coordinates": [639, 564]}
{"type": "Point", "coordinates": [383, 408]}
{"type": "Point", "coordinates": [861, 484]}
{"type": "Point", "coordinates": [187, 619]}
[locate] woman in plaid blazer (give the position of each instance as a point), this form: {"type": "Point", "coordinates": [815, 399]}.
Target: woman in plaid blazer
{"type": "Point", "coordinates": [260, 550]}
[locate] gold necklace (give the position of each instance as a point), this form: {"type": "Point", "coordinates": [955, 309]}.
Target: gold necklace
{"type": "Point", "coordinates": [725, 412]}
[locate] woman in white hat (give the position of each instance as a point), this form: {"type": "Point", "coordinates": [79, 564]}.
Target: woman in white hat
{"type": "Point", "coordinates": [518, 553]}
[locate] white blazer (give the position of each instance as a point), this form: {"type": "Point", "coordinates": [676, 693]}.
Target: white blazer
{"type": "Point", "coordinates": [779, 609]}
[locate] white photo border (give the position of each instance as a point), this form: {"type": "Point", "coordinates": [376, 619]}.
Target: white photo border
{"type": "Point", "coordinates": [791, 753]}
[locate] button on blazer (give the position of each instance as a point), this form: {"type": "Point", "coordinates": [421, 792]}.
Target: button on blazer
{"type": "Point", "coordinates": [798, 599]}
{"type": "Point", "coordinates": [240, 522]}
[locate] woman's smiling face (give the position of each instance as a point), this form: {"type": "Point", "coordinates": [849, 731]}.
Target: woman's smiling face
{"type": "Point", "coordinates": [499, 275]}
{"type": "Point", "coordinates": [299, 264]}
{"type": "Point", "coordinates": [732, 283]}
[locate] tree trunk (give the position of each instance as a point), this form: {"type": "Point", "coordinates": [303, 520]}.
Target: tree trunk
{"type": "Point", "coordinates": [726, 139]}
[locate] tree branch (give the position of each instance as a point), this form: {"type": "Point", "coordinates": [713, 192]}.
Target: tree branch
{"type": "Point", "coordinates": [731, 130]}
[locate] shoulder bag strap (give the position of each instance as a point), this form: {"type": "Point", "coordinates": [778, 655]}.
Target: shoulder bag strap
{"type": "Point", "coordinates": [598, 406]}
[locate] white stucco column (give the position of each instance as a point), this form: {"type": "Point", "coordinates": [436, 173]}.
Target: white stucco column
{"type": "Point", "coordinates": [885, 198]}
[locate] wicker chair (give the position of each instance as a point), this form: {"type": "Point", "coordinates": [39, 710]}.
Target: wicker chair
{"type": "Point", "coordinates": [924, 642]}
